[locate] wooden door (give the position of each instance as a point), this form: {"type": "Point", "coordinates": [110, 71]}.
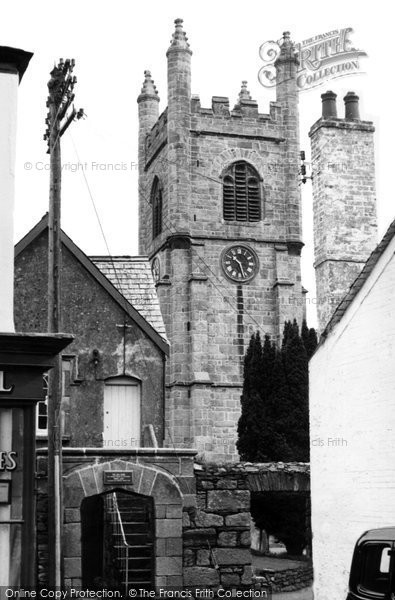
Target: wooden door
{"type": "Point", "coordinates": [122, 413]}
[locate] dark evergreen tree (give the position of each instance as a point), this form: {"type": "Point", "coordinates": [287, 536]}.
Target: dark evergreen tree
{"type": "Point", "coordinates": [304, 332]}
{"type": "Point", "coordinates": [284, 515]}
{"type": "Point", "coordinates": [296, 371]}
{"type": "Point", "coordinates": [274, 424]}
{"type": "Point", "coordinates": [309, 337]}
{"type": "Point", "coordinates": [268, 359]}
{"type": "Point", "coordinates": [273, 442]}
{"type": "Point", "coordinates": [249, 425]}
{"type": "Point", "coordinates": [287, 333]}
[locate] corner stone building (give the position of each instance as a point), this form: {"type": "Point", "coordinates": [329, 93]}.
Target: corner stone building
{"type": "Point", "coordinates": [220, 220]}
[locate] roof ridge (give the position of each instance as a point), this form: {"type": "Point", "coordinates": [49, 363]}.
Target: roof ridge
{"type": "Point", "coordinates": [110, 257]}
{"type": "Point", "coordinates": [359, 280]}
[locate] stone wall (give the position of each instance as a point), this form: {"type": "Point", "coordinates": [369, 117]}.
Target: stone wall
{"type": "Point", "coordinates": [288, 580]}
{"type": "Point", "coordinates": [163, 474]}
{"type": "Point", "coordinates": [217, 533]}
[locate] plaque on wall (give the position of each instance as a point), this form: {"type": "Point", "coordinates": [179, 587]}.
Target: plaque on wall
{"type": "Point", "coordinates": [118, 478]}
{"type": "Point", "coordinates": [5, 491]}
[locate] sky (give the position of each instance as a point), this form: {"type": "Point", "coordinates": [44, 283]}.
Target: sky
{"type": "Point", "coordinates": [113, 43]}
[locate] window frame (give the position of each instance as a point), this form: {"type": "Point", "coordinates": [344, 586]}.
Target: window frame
{"type": "Point", "coordinates": [363, 566]}
{"type": "Point", "coordinates": [157, 207]}
{"type": "Point", "coordinates": [68, 366]}
{"type": "Point", "coordinates": [242, 186]}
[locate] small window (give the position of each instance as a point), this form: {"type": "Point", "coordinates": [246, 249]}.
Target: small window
{"type": "Point", "coordinates": [375, 569]}
{"type": "Point", "coordinates": [241, 193]}
{"type": "Point", "coordinates": [157, 208]}
{"type": "Point", "coordinates": [42, 410]}
{"type": "Point", "coordinates": [42, 405]}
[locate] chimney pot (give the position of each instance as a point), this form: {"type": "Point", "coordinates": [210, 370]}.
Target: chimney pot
{"type": "Point", "coordinates": [329, 108]}
{"type": "Point", "coordinates": [351, 103]}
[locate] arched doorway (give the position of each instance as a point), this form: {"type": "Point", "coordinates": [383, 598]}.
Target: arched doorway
{"type": "Point", "coordinates": [147, 481]}
{"type": "Point", "coordinates": [117, 541]}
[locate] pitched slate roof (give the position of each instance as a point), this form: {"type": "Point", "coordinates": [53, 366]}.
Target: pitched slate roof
{"type": "Point", "coordinates": [132, 276]}
{"type": "Point", "coordinates": [360, 280]}
{"type": "Point", "coordinates": [115, 292]}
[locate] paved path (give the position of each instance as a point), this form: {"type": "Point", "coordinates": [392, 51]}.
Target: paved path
{"type": "Point", "coordinates": [281, 564]}
{"type": "Point", "coordinates": [278, 564]}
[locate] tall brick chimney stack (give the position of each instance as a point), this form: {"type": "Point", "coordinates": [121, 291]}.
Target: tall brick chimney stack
{"type": "Point", "coordinates": [329, 105]}
{"type": "Point", "coordinates": [178, 126]}
{"type": "Point", "coordinates": [148, 105]}
{"type": "Point", "coordinates": [13, 63]}
{"type": "Point", "coordinates": [344, 200]}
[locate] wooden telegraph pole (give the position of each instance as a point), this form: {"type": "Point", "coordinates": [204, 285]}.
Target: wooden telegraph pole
{"type": "Point", "coordinates": [60, 117]}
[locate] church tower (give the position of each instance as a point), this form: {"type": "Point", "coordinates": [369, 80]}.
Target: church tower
{"type": "Point", "coordinates": [220, 220]}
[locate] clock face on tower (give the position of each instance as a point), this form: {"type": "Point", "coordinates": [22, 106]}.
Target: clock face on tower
{"type": "Point", "coordinates": [240, 263]}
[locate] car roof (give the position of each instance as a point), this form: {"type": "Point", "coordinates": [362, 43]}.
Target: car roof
{"type": "Point", "coordinates": [384, 533]}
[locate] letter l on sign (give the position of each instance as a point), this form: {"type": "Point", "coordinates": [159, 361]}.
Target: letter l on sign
{"type": "Point", "coordinates": [2, 388]}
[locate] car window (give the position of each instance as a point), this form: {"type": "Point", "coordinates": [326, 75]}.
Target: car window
{"type": "Point", "coordinates": [375, 568]}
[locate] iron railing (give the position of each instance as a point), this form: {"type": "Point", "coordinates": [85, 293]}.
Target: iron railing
{"type": "Point", "coordinates": [122, 547]}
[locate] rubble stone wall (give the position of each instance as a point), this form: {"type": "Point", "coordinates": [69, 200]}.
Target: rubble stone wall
{"type": "Point", "coordinates": [217, 533]}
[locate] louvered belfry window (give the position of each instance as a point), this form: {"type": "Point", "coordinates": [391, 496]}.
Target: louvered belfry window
{"type": "Point", "coordinates": [156, 200]}
{"type": "Point", "coordinates": [241, 193]}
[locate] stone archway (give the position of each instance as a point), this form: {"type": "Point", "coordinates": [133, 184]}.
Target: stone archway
{"type": "Point", "coordinates": [148, 481]}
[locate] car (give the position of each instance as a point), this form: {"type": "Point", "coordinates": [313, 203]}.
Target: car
{"type": "Point", "coordinates": [372, 574]}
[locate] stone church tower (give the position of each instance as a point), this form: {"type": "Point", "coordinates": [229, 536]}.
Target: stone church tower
{"type": "Point", "coordinates": [344, 200]}
{"type": "Point", "coordinates": [220, 220]}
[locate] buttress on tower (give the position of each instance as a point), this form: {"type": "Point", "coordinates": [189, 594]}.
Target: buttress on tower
{"type": "Point", "coordinates": [220, 220]}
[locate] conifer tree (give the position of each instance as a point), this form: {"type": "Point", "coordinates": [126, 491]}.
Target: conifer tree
{"type": "Point", "coordinates": [309, 337]}
{"type": "Point", "coordinates": [273, 442]}
{"type": "Point", "coordinates": [249, 426]}
{"type": "Point", "coordinates": [296, 371]}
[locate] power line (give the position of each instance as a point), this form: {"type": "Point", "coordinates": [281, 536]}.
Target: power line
{"type": "Point", "coordinates": [157, 395]}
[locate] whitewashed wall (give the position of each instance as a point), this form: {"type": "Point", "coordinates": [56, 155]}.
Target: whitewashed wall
{"type": "Point", "coordinates": [8, 105]}
{"type": "Point", "coordinates": [352, 400]}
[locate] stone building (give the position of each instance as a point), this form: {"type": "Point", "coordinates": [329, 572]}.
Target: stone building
{"type": "Point", "coordinates": [112, 340]}
{"type": "Point", "coordinates": [220, 221]}
{"type": "Point", "coordinates": [352, 416]}
{"type": "Point", "coordinates": [112, 419]}
{"type": "Point", "coordinates": [344, 200]}
{"type": "Point", "coordinates": [135, 513]}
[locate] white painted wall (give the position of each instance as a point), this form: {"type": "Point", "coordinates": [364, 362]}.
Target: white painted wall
{"type": "Point", "coordinates": [352, 398]}
{"type": "Point", "coordinates": [8, 106]}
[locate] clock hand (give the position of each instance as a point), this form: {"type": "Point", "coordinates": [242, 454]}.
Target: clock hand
{"type": "Point", "coordinates": [241, 266]}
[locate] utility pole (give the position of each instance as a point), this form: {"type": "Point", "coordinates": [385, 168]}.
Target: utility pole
{"type": "Point", "coordinates": [60, 117]}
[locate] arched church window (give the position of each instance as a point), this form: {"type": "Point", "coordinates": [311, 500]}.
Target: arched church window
{"type": "Point", "coordinates": [157, 207]}
{"type": "Point", "coordinates": [241, 193]}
